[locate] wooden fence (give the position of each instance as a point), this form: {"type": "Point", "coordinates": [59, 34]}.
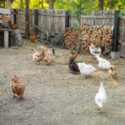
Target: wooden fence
{"type": "Point", "coordinates": [50, 20]}
{"type": "Point", "coordinates": [54, 20]}
{"type": "Point", "coordinates": [96, 18]}
{"type": "Point", "coordinates": [122, 36]}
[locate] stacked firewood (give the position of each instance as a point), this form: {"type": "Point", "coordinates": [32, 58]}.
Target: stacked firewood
{"type": "Point", "coordinates": [70, 38]}
{"type": "Point", "coordinates": [101, 36]}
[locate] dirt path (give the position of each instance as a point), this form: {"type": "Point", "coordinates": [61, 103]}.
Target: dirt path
{"type": "Point", "coordinates": [54, 96]}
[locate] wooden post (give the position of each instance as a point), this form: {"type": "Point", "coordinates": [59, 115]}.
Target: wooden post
{"type": "Point", "coordinates": [8, 4]}
{"type": "Point", "coordinates": [115, 40]}
{"type": "Point", "coordinates": [36, 20]}
{"type": "Point", "coordinates": [15, 16]}
{"type": "Point", "coordinates": [116, 32]}
{"type": "Point", "coordinates": [51, 4]}
{"type": "Point", "coordinates": [101, 4]}
{"type": "Point", "coordinates": [27, 18]}
{"type": "Point", "coordinates": [21, 4]}
{"type": "Point", "coordinates": [67, 19]}
{"type": "Point", "coordinates": [6, 37]}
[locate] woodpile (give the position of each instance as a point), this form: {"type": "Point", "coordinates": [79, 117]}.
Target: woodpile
{"type": "Point", "coordinates": [101, 36]}
{"type": "Point", "coordinates": [70, 38]}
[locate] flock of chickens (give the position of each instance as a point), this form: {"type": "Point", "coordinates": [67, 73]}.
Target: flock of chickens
{"type": "Point", "coordinates": [48, 56]}
{"type": "Point", "coordinates": [17, 84]}
{"type": "Point", "coordinates": [87, 70]}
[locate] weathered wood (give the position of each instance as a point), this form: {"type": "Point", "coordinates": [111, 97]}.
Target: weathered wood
{"type": "Point", "coordinates": [101, 36]}
{"type": "Point", "coordinates": [51, 4]}
{"type": "Point", "coordinates": [6, 39]}
{"type": "Point", "coordinates": [27, 29]}
{"type": "Point", "coordinates": [47, 19]}
{"type": "Point", "coordinates": [8, 4]}
{"type": "Point", "coordinates": [36, 20]}
{"type": "Point", "coordinates": [116, 33]}
{"type": "Point", "coordinates": [67, 18]}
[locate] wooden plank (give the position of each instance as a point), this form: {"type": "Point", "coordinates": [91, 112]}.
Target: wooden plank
{"type": "Point", "coordinates": [6, 39]}
{"type": "Point", "coordinates": [49, 19]}
{"type": "Point", "coordinates": [55, 20]}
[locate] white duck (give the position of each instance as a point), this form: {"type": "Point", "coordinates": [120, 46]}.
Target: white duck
{"type": "Point", "coordinates": [103, 63]}
{"type": "Point", "coordinates": [101, 96]}
{"type": "Point", "coordinates": [86, 69]}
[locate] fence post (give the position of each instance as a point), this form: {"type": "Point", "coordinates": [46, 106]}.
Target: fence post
{"type": "Point", "coordinates": [36, 20]}
{"type": "Point", "coordinates": [116, 32]}
{"type": "Point", "coordinates": [15, 16]}
{"type": "Point", "coordinates": [67, 19]}
{"type": "Point", "coordinates": [115, 39]}
{"type": "Point", "coordinates": [27, 18]}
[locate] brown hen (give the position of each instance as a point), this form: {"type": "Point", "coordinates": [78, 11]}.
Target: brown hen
{"type": "Point", "coordinates": [32, 36]}
{"type": "Point", "coordinates": [17, 86]}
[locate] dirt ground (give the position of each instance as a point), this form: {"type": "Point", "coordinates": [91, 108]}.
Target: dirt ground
{"type": "Point", "coordinates": [54, 96]}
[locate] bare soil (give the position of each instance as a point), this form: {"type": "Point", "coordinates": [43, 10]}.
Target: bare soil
{"type": "Point", "coordinates": [54, 96]}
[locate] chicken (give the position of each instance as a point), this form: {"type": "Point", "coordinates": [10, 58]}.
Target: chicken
{"type": "Point", "coordinates": [13, 26]}
{"type": "Point", "coordinates": [93, 50]}
{"type": "Point", "coordinates": [6, 19]}
{"type": "Point", "coordinates": [86, 69]}
{"type": "Point", "coordinates": [32, 36]}
{"type": "Point", "coordinates": [38, 56]}
{"type": "Point", "coordinates": [107, 50]}
{"type": "Point", "coordinates": [113, 72]}
{"type": "Point", "coordinates": [72, 63]}
{"type": "Point", "coordinates": [103, 63]}
{"type": "Point", "coordinates": [49, 58]}
{"type": "Point", "coordinates": [8, 22]}
{"type": "Point", "coordinates": [101, 96]}
{"type": "Point", "coordinates": [17, 86]}
{"type": "Point", "coordinates": [73, 67]}
{"type": "Point", "coordinates": [73, 55]}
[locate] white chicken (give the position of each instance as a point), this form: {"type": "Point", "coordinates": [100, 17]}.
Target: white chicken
{"type": "Point", "coordinates": [103, 63]}
{"type": "Point", "coordinates": [101, 96]}
{"type": "Point", "coordinates": [94, 51]}
{"type": "Point", "coordinates": [86, 69]}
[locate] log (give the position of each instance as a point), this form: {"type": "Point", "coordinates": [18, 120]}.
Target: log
{"type": "Point", "coordinates": [101, 36]}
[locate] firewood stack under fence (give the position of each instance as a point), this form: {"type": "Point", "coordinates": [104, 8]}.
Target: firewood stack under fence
{"type": "Point", "coordinates": [80, 40]}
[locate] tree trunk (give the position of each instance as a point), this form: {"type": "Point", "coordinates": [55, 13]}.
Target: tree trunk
{"type": "Point", "coordinates": [8, 4]}
{"type": "Point", "coordinates": [21, 4]}
{"type": "Point", "coordinates": [101, 4]}
{"type": "Point", "coordinates": [51, 4]}
{"type": "Point", "coordinates": [27, 17]}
